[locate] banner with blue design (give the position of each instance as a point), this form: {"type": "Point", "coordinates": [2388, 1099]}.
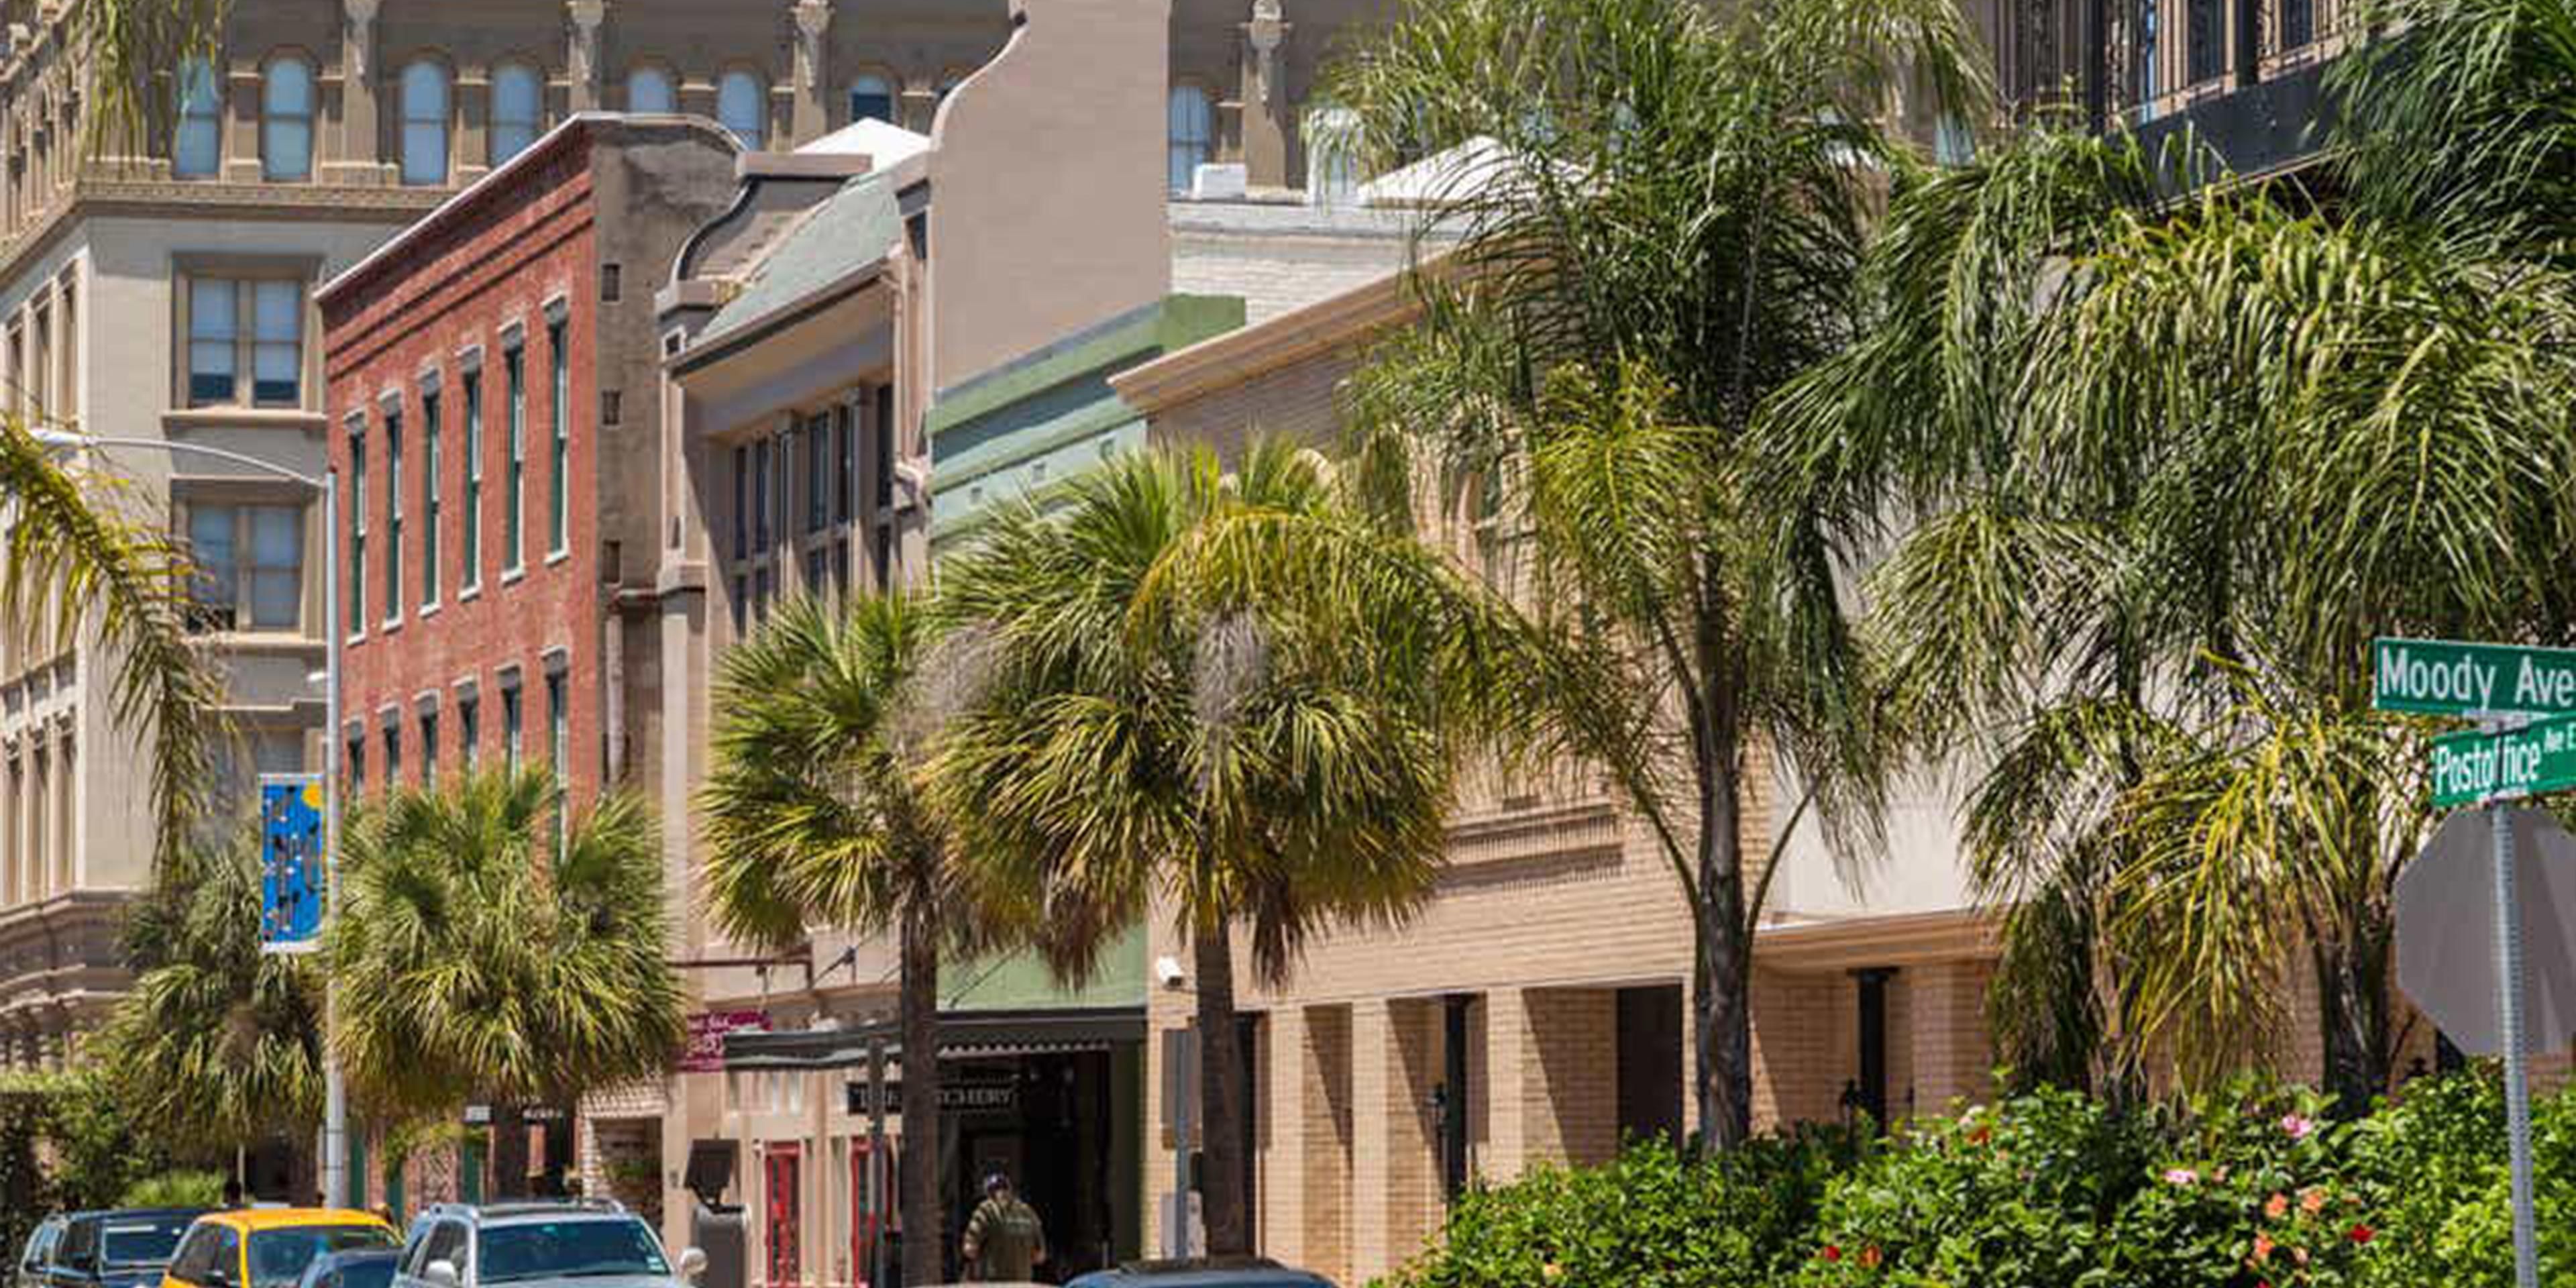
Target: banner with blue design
{"type": "Point", "coordinates": [291, 864]}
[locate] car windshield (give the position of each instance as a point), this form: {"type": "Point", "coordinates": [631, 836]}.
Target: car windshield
{"type": "Point", "coordinates": [368, 1272]}
{"type": "Point", "coordinates": [570, 1249]}
{"type": "Point", "coordinates": [278, 1257]}
{"type": "Point", "coordinates": [141, 1242]}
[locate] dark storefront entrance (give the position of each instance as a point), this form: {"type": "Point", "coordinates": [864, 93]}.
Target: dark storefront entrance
{"type": "Point", "coordinates": [1052, 1099]}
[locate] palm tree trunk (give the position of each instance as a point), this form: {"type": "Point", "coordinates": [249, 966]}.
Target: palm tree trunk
{"type": "Point", "coordinates": [1722, 977]}
{"type": "Point", "coordinates": [509, 1152]}
{"type": "Point", "coordinates": [1221, 1174]}
{"type": "Point", "coordinates": [2352, 1016]}
{"type": "Point", "coordinates": [925, 1241]}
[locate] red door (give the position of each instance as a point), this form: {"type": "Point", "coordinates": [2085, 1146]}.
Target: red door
{"type": "Point", "coordinates": [865, 1225]}
{"type": "Point", "coordinates": [781, 1199]}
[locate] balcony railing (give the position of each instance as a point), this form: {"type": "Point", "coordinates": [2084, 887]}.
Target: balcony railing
{"type": "Point", "coordinates": [2164, 56]}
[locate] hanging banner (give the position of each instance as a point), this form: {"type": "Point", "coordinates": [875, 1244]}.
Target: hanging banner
{"type": "Point", "coordinates": [291, 865]}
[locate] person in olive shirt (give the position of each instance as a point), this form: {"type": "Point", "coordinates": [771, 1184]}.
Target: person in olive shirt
{"type": "Point", "coordinates": [1004, 1241]}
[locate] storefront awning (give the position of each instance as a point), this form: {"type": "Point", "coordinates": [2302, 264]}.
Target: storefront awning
{"type": "Point", "coordinates": [963, 1035]}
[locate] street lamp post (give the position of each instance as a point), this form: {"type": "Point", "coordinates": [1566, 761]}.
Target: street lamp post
{"type": "Point", "coordinates": [335, 1098]}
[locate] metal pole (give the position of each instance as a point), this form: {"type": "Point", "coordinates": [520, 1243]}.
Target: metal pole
{"type": "Point", "coordinates": [335, 1094]}
{"type": "Point", "coordinates": [880, 1273]}
{"type": "Point", "coordinates": [2517, 1052]}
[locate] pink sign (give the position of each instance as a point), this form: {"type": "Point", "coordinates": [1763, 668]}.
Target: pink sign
{"type": "Point", "coordinates": [707, 1030]}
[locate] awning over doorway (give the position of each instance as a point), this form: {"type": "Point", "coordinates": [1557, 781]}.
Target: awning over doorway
{"type": "Point", "coordinates": [962, 1036]}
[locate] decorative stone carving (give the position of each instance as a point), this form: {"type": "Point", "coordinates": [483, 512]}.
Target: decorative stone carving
{"type": "Point", "coordinates": [813, 19]}
{"type": "Point", "coordinates": [587, 16]}
{"type": "Point", "coordinates": [359, 17]}
{"type": "Point", "coordinates": [1266, 32]}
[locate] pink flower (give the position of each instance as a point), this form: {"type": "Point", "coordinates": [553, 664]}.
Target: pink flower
{"type": "Point", "coordinates": [2298, 1128]}
{"type": "Point", "coordinates": [2277, 1206]}
{"type": "Point", "coordinates": [2181, 1176]}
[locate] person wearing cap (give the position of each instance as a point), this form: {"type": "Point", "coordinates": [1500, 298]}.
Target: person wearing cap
{"type": "Point", "coordinates": [1004, 1241]}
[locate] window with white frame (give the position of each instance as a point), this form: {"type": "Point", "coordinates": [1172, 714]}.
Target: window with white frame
{"type": "Point", "coordinates": [429, 488]}
{"type": "Point", "coordinates": [1193, 134]}
{"type": "Point", "coordinates": [559, 428]}
{"type": "Point", "coordinates": [471, 521]}
{"type": "Point", "coordinates": [742, 106]}
{"type": "Point", "coordinates": [197, 143]}
{"type": "Point", "coordinates": [393, 513]}
{"type": "Point", "coordinates": [286, 121]}
{"type": "Point", "coordinates": [245, 324]}
{"type": "Point", "coordinates": [248, 562]}
{"type": "Point", "coordinates": [424, 123]}
{"type": "Point", "coordinates": [518, 110]}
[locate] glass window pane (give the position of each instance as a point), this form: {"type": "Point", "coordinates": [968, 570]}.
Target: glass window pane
{"type": "Point", "coordinates": [872, 99]}
{"type": "Point", "coordinates": [424, 118]}
{"type": "Point", "coordinates": [213, 324]}
{"type": "Point", "coordinates": [740, 109]}
{"type": "Point", "coordinates": [286, 121]}
{"type": "Point", "coordinates": [198, 149]}
{"type": "Point", "coordinates": [214, 559]}
{"type": "Point", "coordinates": [277, 324]}
{"type": "Point", "coordinates": [277, 565]}
{"type": "Point", "coordinates": [648, 89]}
{"type": "Point", "coordinates": [515, 111]}
{"type": "Point", "coordinates": [1191, 135]}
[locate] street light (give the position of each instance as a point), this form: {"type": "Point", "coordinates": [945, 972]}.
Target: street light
{"type": "Point", "coordinates": [335, 1099]}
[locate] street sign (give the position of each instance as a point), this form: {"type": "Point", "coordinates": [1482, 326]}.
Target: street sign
{"type": "Point", "coordinates": [2446, 931]}
{"type": "Point", "coordinates": [2448, 678]}
{"type": "Point", "coordinates": [2477, 766]}
{"type": "Point", "coordinates": [290, 863]}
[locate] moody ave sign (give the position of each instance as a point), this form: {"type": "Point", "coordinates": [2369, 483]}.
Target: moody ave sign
{"type": "Point", "coordinates": [2442, 678]}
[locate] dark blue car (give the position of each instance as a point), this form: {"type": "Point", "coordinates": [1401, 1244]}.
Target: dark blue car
{"type": "Point", "coordinates": [1244, 1272]}
{"type": "Point", "coordinates": [125, 1249]}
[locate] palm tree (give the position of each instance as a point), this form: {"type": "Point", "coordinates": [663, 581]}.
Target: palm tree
{"type": "Point", "coordinates": [2169, 470]}
{"type": "Point", "coordinates": [219, 1042]}
{"type": "Point", "coordinates": [1223, 695]}
{"type": "Point", "coordinates": [1660, 217]}
{"type": "Point", "coordinates": [495, 943]}
{"type": "Point", "coordinates": [127, 48]}
{"type": "Point", "coordinates": [2466, 119]}
{"type": "Point", "coordinates": [78, 558]}
{"type": "Point", "coordinates": [815, 814]}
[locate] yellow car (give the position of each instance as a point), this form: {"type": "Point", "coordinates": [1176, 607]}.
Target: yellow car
{"type": "Point", "coordinates": [268, 1247]}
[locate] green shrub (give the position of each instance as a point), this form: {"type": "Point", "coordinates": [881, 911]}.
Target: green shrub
{"type": "Point", "coordinates": [175, 1189]}
{"type": "Point", "coordinates": [2445, 1215]}
{"type": "Point", "coordinates": [1651, 1219]}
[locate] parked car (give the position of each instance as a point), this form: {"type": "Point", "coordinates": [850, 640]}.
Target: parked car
{"type": "Point", "coordinates": [38, 1256]}
{"type": "Point", "coordinates": [124, 1249]}
{"type": "Point", "coordinates": [595, 1243]}
{"type": "Point", "coordinates": [364, 1268]}
{"type": "Point", "coordinates": [1220, 1272]}
{"type": "Point", "coordinates": [269, 1247]}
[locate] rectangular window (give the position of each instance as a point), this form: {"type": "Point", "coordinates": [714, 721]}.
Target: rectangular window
{"type": "Point", "coordinates": [818, 568]}
{"type": "Point", "coordinates": [841, 462]}
{"type": "Point", "coordinates": [559, 415]}
{"type": "Point", "coordinates": [818, 473]}
{"type": "Point", "coordinates": [473, 517]}
{"type": "Point", "coordinates": [393, 515]}
{"type": "Point", "coordinates": [276, 571]}
{"type": "Point", "coordinates": [358, 525]}
{"type": "Point", "coordinates": [558, 725]}
{"type": "Point", "coordinates": [741, 605]}
{"type": "Point", "coordinates": [885, 447]}
{"type": "Point", "coordinates": [429, 748]}
{"type": "Point", "coordinates": [760, 498]}
{"type": "Point", "coordinates": [429, 478]}
{"type": "Point", "coordinates": [214, 554]}
{"type": "Point", "coordinates": [356, 755]}
{"type": "Point", "coordinates": [393, 756]}
{"type": "Point", "coordinates": [469, 732]}
{"type": "Point", "coordinates": [513, 726]}
{"type": "Point", "coordinates": [514, 364]}
{"type": "Point", "coordinates": [741, 503]}
{"type": "Point", "coordinates": [237, 324]}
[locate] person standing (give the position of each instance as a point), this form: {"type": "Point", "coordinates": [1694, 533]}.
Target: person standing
{"type": "Point", "coordinates": [1005, 1243]}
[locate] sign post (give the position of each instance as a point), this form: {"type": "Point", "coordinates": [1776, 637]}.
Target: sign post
{"type": "Point", "coordinates": [2511, 755]}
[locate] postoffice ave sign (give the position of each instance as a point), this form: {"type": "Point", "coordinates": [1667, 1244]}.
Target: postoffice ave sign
{"type": "Point", "coordinates": [2448, 678]}
{"type": "Point", "coordinates": [2476, 767]}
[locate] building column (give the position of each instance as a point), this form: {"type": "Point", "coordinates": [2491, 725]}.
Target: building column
{"type": "Point", "coordinates": [1395, 1163]}
{"type": "Point", "coordinates": [241, 156]}
{"type": "Point", "coordinates": [583, 57]}
{"type": "Point", "coordinates": [810, 113]}
{"type": "Point", "coordinates": [1552, 1078]}
{"type": "Point", "coordinates": [1265, 108]}
{"type": "Point", "coordinates": [359, 135]}
{"type": "Point", "coordinates": [1952, 1056]}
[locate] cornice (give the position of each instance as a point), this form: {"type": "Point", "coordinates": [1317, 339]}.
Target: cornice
{"type": "Point", "coordinates": [1338, 322]}
{"type": "Point", "coordinates": [149, 196]}
{"type": "Point", "coordinates": [1904, 939]}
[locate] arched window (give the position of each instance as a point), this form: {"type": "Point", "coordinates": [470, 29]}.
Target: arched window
{"type": "Point", "coordinates": [518, 110]}
{"type": "Point", "coordinates": [198, 149]}
{"type": "Point", "coordinates": [741, 109]}
{"type": "Point", "coordinates": [648, 89]}
{"type": "Point", "coordinates": [1193, 134]}
{"type": "Point", "coordinates": [424, 123]}
{"type": "Point", "coordinates": [286, 120]}
{"type": "Point", "coordinates": [947, 83]}
{"type": "Point", "coordinates": [872, 99]}
{"type": "Point", "coordinates": [1332, 166]}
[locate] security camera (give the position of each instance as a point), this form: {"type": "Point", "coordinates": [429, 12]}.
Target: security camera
{"type": "Point", "coordinates": [1168, 970]}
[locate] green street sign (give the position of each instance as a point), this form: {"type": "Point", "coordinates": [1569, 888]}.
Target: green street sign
{"type": "Point", "coordinates": [2445, 678]}
{"type": "Point", "coordinates": [2475, 767]}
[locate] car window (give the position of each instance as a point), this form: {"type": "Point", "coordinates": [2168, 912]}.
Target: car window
{"type": "Point", "coordinates": [40, 1246]}
{"type": "Point", "coordinates": [370, 1272]}
{"type": "Point", "coordinates": [196, 1253]}
{"type": "Point", "coordinates": [224, 1265]}
{"type": "Point", "coordinates": [278, 1258]}
{"type": "Point", "coordinates": [569, 1249]}
{"type": "Point", "coordinates": [446, 1243]}
{"type": "Point", "coordinates": [140, 1241]}
{"type": "Point", "coordinates": [79, 1243]}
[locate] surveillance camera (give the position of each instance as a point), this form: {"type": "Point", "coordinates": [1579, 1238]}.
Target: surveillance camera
{"type": "Point", "coordinates": [1168, 970]}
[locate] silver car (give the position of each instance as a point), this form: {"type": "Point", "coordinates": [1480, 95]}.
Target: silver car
{"type": "Point", "coordinates": [539, 1245]}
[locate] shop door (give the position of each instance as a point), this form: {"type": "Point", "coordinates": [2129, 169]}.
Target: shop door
{"type": "Point", "coordinates": [782, 1191]}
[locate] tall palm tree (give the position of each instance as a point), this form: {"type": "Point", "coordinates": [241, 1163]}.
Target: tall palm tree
{"type": "Point", "coordinates": [1225, 696]}
{"type": "Point", "coordinates": [81, 559]}
{"type": "Point", "coordinates": [128, 48]}
{"type": "Point", "coordinates": [816, 814]}
{"type": "Point", "coordinates": [1657, 215]}
{"type": "Point", "coordinates": [218, 1042]}
{"type": "Point", "coordinates": [494, 943]}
